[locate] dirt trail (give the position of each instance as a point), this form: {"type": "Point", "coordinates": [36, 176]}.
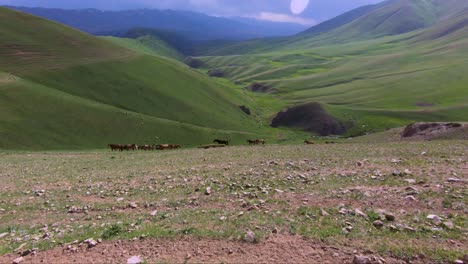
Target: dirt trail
{"type": "Point", "coordinates": [277, 249]}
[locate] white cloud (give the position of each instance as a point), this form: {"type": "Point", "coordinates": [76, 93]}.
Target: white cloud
{"type": "Point", "coordinates": [278, 17]}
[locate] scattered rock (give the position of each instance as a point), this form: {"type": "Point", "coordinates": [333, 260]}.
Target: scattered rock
{"type": "Point", "coordinates": [458, 261]}
{"type": "Point", "coordinates": [120, 199]}
{"type": "Point", "coordinates": [249, 237]}
{"type": "Point", "coordinates": [134, 260]}
{"type": "Point", "coordinates": [378, 224]}
{"type": "Point", "coordinates": [323, 212]}
{"type": "Point", "coordinates": [410, 198]}
{"type": "Point", "coordinates": [90, 242]}
{"type": "Point", "coordinates": [454, 180]}
{"type": "Point", "coordinates": [208, 191]}
{"type": "Point", "coordinates": [448, 225]}
{"type": "Point", "coordinates": [390, 217]}
{"type": "Point", "coordinates": [407, 172]}
{"type": "Point", "coordinates": [360, 213]}
{"type": "Point", "coordinates": [18, 260]}
{"type": "Point", "coordinates": [133, 205]}
{"type": "Point", "coordinates": [2, 235]}
{"type": "Point", "coordinates": [410, 181]}
{"type": "Point", "coordinates": [435, 219]}
{"type": "Point", "coordinates": [154, 213]}
{"type": "Point", "coordinates": [361, 260]}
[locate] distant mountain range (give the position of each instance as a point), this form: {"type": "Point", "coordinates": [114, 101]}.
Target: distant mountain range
{"type": "Point", "coordinates": [194, 26]}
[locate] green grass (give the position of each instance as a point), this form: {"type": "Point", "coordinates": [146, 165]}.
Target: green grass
{"type": "Point", "coordinates": [371, 84]}
{"type": "Point", "coordinates": [64, 89]}
{"type": "Point", "coordinates": [148, 45]}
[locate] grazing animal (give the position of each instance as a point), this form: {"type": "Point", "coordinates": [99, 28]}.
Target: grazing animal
{"type": "Point", "coordinates": [256, 141]}
{"type": "Point", "coordinates": [167, 146]}
{"type": "Point", "coordinates": [308, 142]}
{"type": "Point", "coordinates": [221, 141]}
{"type": "Point", "coordinates": [115, 147]}
{"type": "Point", "coordinates": [129, 147]}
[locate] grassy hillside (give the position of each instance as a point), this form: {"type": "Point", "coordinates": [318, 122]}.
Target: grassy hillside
{"type": "Point", "coordinates": [389, 18]}
{"type": "Point", "coordinates": [62, 88]}
{"type": "Point", "coordinates": [369, 85]}
{"type": "Point", "coordinates": [148, 45]}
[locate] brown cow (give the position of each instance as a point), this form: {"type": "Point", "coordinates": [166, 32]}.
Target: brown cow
{"type": "Point", "coordinates": [129, 147]}
{"type": "Point", "coordinates": [256, 141]}
{"type": "Point", "coordinates": [221, 141]}
{"type": "Point", "coordinates": [115, 147]}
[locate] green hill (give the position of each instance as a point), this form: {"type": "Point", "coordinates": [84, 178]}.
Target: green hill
{"type": "Point", "coordinates": [389, 18]}
{"type": "Point", "coordinates": [368, 85]}
{"type": "Point", "coordinates": [149, 45]}
{"type": "Point", "coordinates": [61, 88]}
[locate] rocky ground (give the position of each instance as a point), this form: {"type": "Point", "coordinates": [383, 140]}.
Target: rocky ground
{"type": "Point", "coordinates": [341, 203]}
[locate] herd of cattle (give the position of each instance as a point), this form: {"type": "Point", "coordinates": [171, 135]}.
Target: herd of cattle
{"type": "Point", "coordinates": [221, 142]}
{"type": "Point", "coordinates": [133, 147]}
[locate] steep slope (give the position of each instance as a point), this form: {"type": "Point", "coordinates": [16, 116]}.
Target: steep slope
{"type": "Point", "coordinates": [61, 88]}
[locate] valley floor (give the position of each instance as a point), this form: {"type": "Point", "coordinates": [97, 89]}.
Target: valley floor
{"type": "Point", "coordinates": [400, 201]}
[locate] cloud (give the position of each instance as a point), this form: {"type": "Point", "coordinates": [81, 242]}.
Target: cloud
{"type": "Point", "coordinates": [277, 17]}
{"type": "Point", "coordinates": [274, 10]}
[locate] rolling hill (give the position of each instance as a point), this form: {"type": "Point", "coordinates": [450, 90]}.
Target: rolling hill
{"type": "Point", "coordinates": [369, 83]}
{"type": "Point", "coordinates": [62, 89]}
{"type": "Point", "coordinates": [389, 18]}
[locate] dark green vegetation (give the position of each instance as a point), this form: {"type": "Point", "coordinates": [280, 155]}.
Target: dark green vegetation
{"type": "Point", "coordinates": [121, 196]}
{"type": "Point", "coordinates": [61, 88]}
{"type": "Point", "coordinates": [360, 67]}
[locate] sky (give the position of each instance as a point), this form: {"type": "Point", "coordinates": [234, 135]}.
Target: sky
{"type": "Point", "coordinates": [307, 12]}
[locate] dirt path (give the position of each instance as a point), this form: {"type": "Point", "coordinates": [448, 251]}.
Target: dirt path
{"type": "Point", "coordinates": [277, 249]}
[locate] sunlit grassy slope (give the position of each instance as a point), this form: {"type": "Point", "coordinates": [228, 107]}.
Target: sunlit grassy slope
{"type": "Point", "coordinates": [373, 84]}
{"type": "Point", "coordinates": [61, 88]}
{"type": "Point", "coordinates": [149, 45]}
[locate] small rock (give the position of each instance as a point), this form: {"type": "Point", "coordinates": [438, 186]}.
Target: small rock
{"type": "Point", "coordinates": [188, 256]}
{"type": "Point", "coordinates": [360, 213]}
{"type": "Point", "coordinates": [279, 191]}
{"type": "Point", "coordinates": [458, 261]}
{"type": "Point", "coordinates": [390, 217]}
{"type": "Point", "coordinates": [343, 211]}
{"type": "Point", "coordinates": [154, 213]}
{"type": "Point", "coordinates": [90, 242]}
{"type": "Point", "coordinates": [454, 180]}
{"type": "Point", "coordinates": [410, 198]}
{"type": "Point", "coordinates": [249, 237]}
{"type": "Point", "coordinates": [120, 199]}
{"type": "Point", "coordinates": [410, 181]}
{"type": "Point", "coordinates": [134, 260]}
{"type": "Point", "coordinates": [361, 260]}
{"type": "Point", "coordinates": [18, 260]}
{"type": "Point", "coordinates": [448, 225]}
{"type": "Point", "coordinates": [133, 205]}
{"type": "Point", "coordinates": [407, 172]}
{"type": "Point", "coordinates": [378, 224]}
{"type": "Point", "coordinates": [208, 191]}
{"type": "Point", "coordinates": [2, 235]}
{"type": "Point", "coordinates": [323, 212]}
{"type": "Point", "coordinates": [435, 219]}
